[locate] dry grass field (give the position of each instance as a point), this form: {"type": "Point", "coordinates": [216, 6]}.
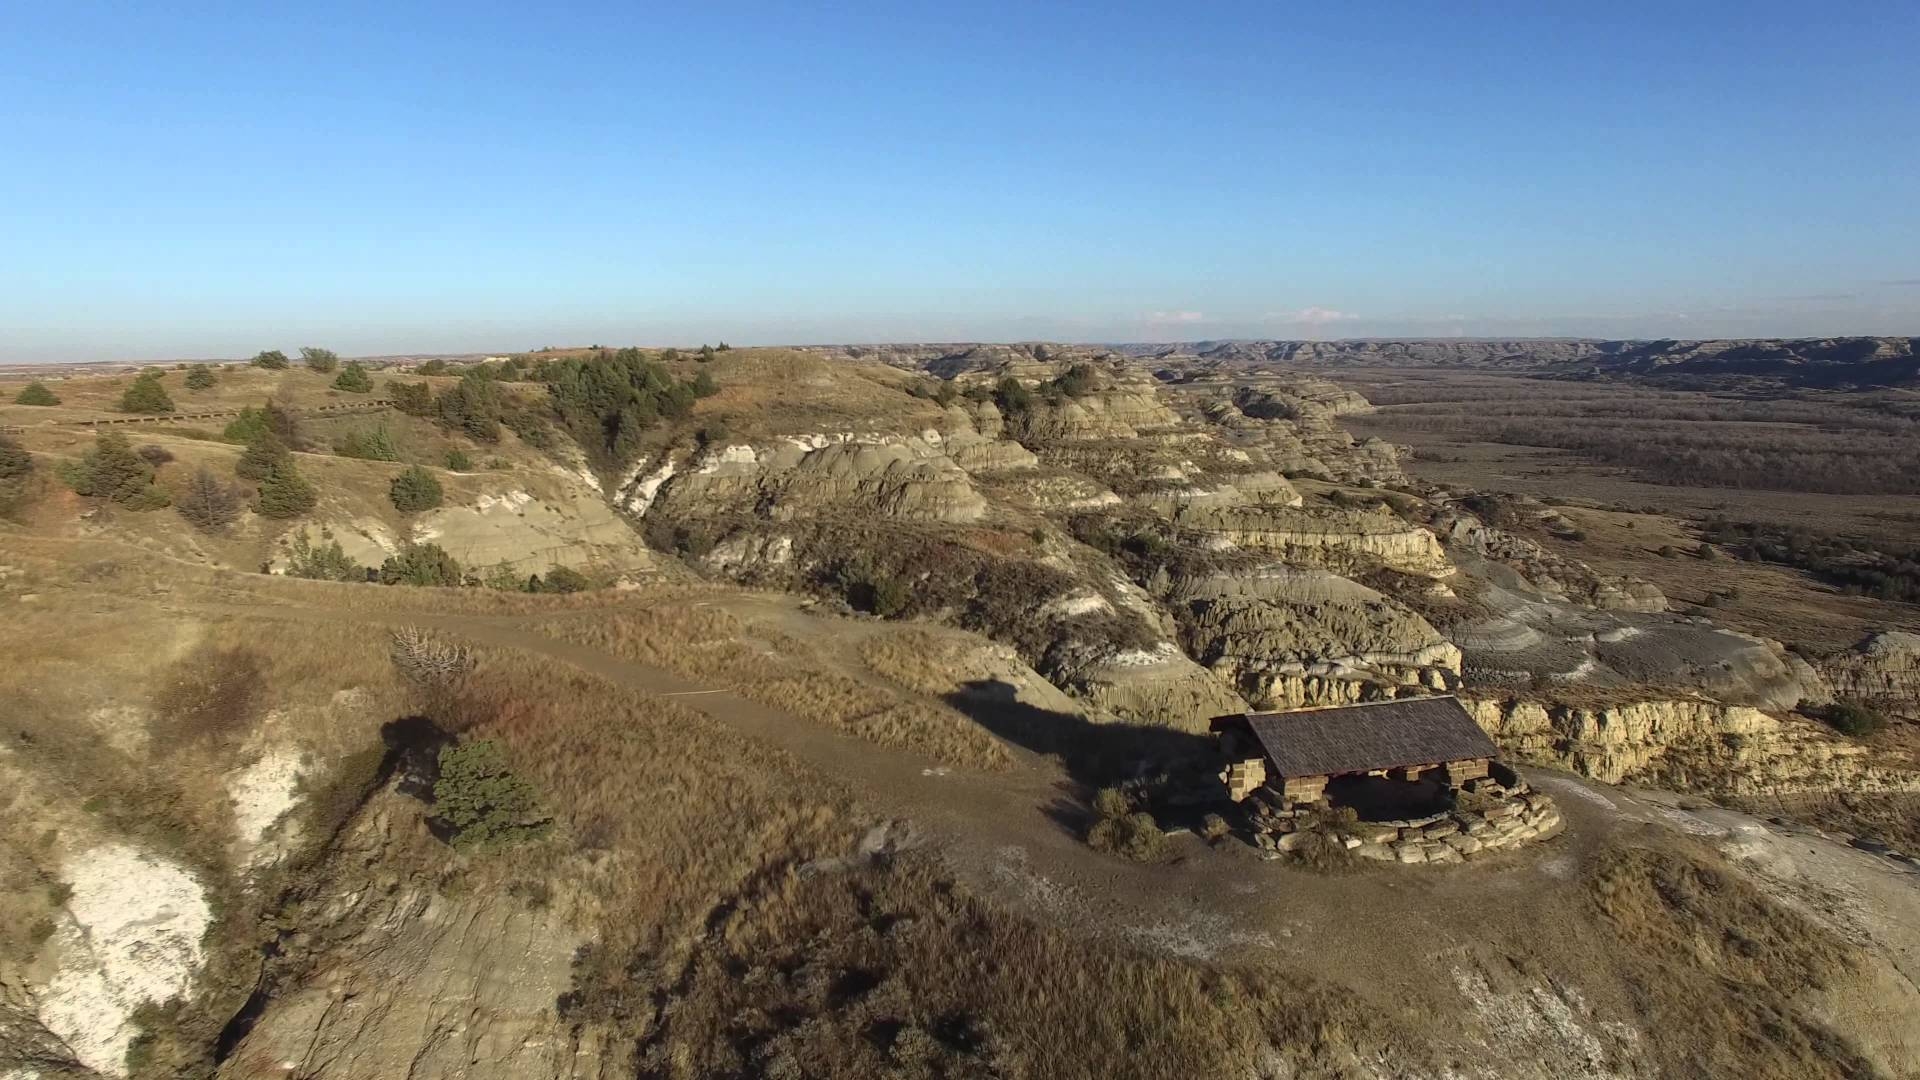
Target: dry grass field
{"type": "Point", "coordinates": [771, 667]}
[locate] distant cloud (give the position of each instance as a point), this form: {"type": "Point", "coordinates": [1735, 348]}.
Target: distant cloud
{"type": "Point", "coordinates": [1161, 318]}
{"type": "Point", "coordinates": [1311, 316]}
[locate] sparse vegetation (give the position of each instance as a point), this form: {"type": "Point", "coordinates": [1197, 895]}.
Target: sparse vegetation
{"type": "Point", "coordinates": [458, 461]}
{"type": "Point", "coordinates": [1855, 565]}
{"type": "Point", "coordinates": [1851, 718]}
{"type": "Point", "coordinates": [212, 694]}
{"type": "Point", "coordinates": [36, 393]}
{"type": "Point", "coordinates": [414, 490]}
{"type": "Point", "coordinates": [325, 561]}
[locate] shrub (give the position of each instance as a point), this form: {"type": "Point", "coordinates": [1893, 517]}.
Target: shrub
{"type": "Point", "coordinates": [155, 455]}
{"type": "Point", "coordinates": [1135, 836]}
{"type": "Point", "coordinates": [414, 490]}
{"type": "Point", "coordinates": [369, 444]}
{"type": "Point", "coordinates": [199, 377]}
{"type": "Point", "coordinates": [471, 406]}
{"type": "Point", "coordinates": [414, 399]}
{"type": "Point", "coordinates": [353, 379]}
{"type": "Point", "coordinates": [427, 660]}
{"type": "Point", "coordinates": [325, 561]}
{"type": "Point", "coordinates": [111, 470]}
{"type": "Point", "coordinates": [703, 384]}
{"type": "Point", "coordinates": [36, 393]}
{"type": "Point", "coordinates": [207, 503]}
{"type": "Point", "coordinates": [15, 462]}
{"type": "Point", "coordinates": [146, 395]}
{"type": "Point", "coordinates": [1123, 831]}
{"type": "Point", "coordinates": [560, 579]}
{"type": "Point", "coordinates": [265, 452]}
{"type": "Point", "coordinates": [211, 695]}
{"type": "Point", "coordinates": [1012, 397]}
{"type": "Point", "coordinates": [1851, 718]}
{"type": "Point", "coordinates": [270, 359]}
{"type": "Point", "coordinates": [284, 493]}
{"type": "Point", "coordinates": [481, 803]}
{"type": "Point", "coordinates": [272, 418]}
{"type": "Point", "coordinates": [320, 360]}
{"type": "Point", "coordinates": [458, 461]}
{"type": "Point", "coordinates": [421, 564]}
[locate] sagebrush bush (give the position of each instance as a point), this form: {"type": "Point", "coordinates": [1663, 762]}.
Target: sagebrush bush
{"type": "Point", "coordinates": [1121, 830]}
{"type": "Point", "coordinates": [481, 803]}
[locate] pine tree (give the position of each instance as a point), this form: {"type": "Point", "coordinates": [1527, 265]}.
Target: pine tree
{"type": "Point", "coordinates": [199, 377]}
{"type": "Point", "coordinates": [111, 470]}
{"type": "Point", "coordinates": [146, 395]}
{"type": "Point", "coordinates": [271, 359]}
{"type": "Point", "coordinates": [284, 493]}
{"type": "Point", "coordinates": [265, 452]}
{"type": "Point", "coordinates": [414, 490]}
{"type": "Point", "coordinates": [15, 462]}
{"type": "Point", "coordinates": [36, 393]}
{"type": "Point", "coordinates": [320, 360]}
{"type": "Point", "coordinates": [353, 379]}
{"type": "Point", "coordinates": [421, 564]}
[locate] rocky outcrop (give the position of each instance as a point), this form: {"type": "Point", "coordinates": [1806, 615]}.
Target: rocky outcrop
{"type": "Point", "coordinates": [1286, 637]}
{"type": "Point", "coordinates": [1882, 670]}
{"type": "Point", "coordinates": [1553, 575]}
{"type": "Point", "coordinates": [397, 978]}
{"type": "Point", "coordinates": [1158, 685]}
{"type": "Point", "coordinates": [1337, 540]}
{"type": "Point", "coordinates": [1684, 744]}
{"type": "Point", "coordinates": [903, 478]}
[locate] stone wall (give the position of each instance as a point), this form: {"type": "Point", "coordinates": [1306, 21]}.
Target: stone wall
{"type": "Point", "coordinates": [1501, 817]}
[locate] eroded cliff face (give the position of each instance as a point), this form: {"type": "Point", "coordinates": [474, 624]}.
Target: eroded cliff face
{"type": "Point", "coordinates": [1685, 744]}
{"type": "Point", "coordinates": [1882, 670]}
{"type": "Point", "coordinates": [1287, 637]}
{"type": "Point", "coordinates": [390, 974]}
{"type": "Point", "coordinates": [1337, 540]}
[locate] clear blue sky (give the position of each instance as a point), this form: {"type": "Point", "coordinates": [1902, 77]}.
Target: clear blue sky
{"type": "Point", "coordinates": [205, 180]}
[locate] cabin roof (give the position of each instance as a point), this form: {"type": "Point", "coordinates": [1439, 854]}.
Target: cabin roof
{"type": "Point", "coordinates": [1360, 738]}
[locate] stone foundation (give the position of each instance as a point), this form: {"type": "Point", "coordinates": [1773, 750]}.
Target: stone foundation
{"type": "Point", "coordinates": [1507, 817]}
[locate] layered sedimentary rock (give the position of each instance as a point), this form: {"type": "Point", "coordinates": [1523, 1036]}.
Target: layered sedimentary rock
{"type": "Point", "coordinates": [1337, 540]}
{"type": "Point", "coordinates": [901, 478]}
{"type": "Point", "coordinates": [1882, 670]}
{"type": "Point", "coordinates": [1157, 685]}
{"type": "Point", "coordinates": [1684, 743]}
{"type": "Point", "coordinates": [1288, 637]}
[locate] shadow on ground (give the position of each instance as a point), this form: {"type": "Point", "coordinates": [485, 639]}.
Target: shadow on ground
{"type": "Point", "coordinates": [1094, 755]}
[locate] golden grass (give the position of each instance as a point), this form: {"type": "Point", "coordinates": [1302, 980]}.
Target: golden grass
{"type": "Point", "coordinates": [921, 660]}
{"type": "Point", "coordinates": [890, 969]}
{"type": "Point", "coordinates": [712, 646]}
{"type": "Point", "coordinates": [1716, 966]}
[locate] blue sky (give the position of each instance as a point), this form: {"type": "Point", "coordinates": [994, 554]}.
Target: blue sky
{"type": "Point", "coordinates": [209, 180]}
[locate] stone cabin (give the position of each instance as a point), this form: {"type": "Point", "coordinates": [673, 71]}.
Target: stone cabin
{"type": "Point", "coordinates": [1430, 741]}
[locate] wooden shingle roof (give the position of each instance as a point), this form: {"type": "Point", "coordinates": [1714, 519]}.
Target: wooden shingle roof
{"type": "Point", "coordinates": [1359, 738]}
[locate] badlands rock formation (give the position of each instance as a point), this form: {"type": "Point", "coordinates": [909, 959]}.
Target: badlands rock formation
{"type": "Point", "coordinates": [1883, 670]}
